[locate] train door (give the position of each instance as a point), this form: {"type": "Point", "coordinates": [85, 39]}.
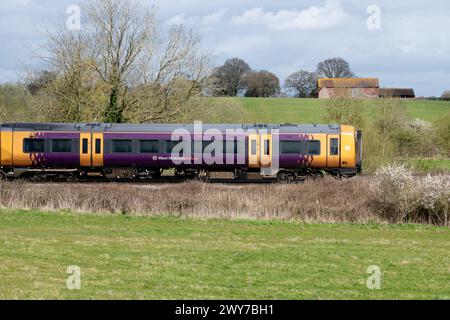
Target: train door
{"type": "Point", "coordinates": [97, 149]}
{"type": "Point", "coordinates": [260, 150]}
{"type": "Point", "coordinates": [91, 149]}
{"type": "Point", "coordinates": [333, 152]}
{"type": "Point", "coordinates": [266, 150]}
{"type": "Point", "coordinates": [253, 150]}
{"type": "Point", "coordinates": [85, 149]}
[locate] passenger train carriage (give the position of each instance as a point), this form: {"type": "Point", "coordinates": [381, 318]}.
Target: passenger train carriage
{"type": "Point", "coordinates": [285, 152]}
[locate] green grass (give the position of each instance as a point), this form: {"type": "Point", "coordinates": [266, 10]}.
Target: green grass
{"type": "Point", "coordinates": [430, 164]}
{"type": "Point", "coordinates": [284, 110]}
{"type": "Point", "coordinates": [168, 258]}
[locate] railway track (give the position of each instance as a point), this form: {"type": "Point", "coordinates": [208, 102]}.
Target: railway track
{"type": "Point", "coordinates": [175, 180]}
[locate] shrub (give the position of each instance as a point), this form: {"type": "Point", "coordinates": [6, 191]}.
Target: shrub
{"type": "Point", "coordinates": [442, 134]}
{"type": "Point", "coordinates": [446, 95]}
{"type": "Point", "coordinates": [399, 197]}
{"type": "Point", "coordinates": [415, 138]}
{"type": "Point", "coordinates": [435, 197]}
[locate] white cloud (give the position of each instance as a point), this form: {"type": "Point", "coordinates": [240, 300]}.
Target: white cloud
{"type": "Point", "coordinates": [243, 45]}
{"type": "Point", "coordinates": [208, 20]}
{"type": "Point", "coordinates": [311, 18]}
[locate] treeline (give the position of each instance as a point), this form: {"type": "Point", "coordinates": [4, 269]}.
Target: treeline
{"type": "Point", "coordinates": [236, 78]}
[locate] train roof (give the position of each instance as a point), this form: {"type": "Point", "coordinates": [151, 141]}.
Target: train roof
{"type": "Point", "coordinates": [122, 127]}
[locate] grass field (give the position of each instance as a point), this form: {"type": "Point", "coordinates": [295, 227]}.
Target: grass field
{"type": "Point", "coordinates": [289, 110]}
{"type": "Point", "coordinates": [168, 258]}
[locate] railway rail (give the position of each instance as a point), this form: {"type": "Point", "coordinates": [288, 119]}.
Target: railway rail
{"type": "Point", "coordinates": [175, 180]}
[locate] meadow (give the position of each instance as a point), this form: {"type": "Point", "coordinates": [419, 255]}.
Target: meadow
{"type": "Point", "coordinates": [123, 257]}
{"type": "Point", "coordinates": [290, 110]}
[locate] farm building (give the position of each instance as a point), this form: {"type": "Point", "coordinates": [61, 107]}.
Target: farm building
{"type": "Point", "coordinates": [328, 88]}
{"type": "Point", "coordinates": [397, 92]}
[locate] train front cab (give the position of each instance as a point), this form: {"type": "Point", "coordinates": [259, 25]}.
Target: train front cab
{"type": "Point", "coordinates": [350, 151]}
{"type": "Point", "coordinates": [340, 153]}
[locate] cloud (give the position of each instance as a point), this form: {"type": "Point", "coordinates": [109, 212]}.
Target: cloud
{"type": "Point", "coordinates": [311, 18]}
{"type": "Point", "coordinates": [208, 20]}
{"type": "Point", "coordinates": [243, 45]}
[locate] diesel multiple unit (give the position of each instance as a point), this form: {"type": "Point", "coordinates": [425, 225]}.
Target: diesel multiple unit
{"type": "Point", "coordinates": [285, 152]}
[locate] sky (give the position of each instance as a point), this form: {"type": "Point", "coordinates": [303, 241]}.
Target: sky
{"type": "Point", "coordinates": [404, 43]}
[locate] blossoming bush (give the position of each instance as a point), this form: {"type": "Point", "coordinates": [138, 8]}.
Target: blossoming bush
{"type": "Point", "coordinates": [400, 197]}
{"type": "Point", "coordinates": [435, 197]}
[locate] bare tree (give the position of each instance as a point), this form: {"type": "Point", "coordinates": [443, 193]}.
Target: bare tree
{"type": "Point", "coordinates": [301, 83]}
{"type": "Point", "coordinates": [123, 66]}
{"type": "Point", "coordinates": [67, 89]}
{"type": "Point", "coordinates": [261, 84]}
{"type": "Point", "coordinates": [446, 95]}
{"type": "Point", "coordinates": [334, 68]}
{"type": "Point", "coordinates": [170, 80]}
{"type": "Point", "coordinates": [345, 110]}
{"type": "Point", "coordinates": [228, 79]}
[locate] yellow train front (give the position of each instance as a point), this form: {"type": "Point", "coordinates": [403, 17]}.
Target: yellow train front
{"type": "Point", "coordinates": [285, 152]}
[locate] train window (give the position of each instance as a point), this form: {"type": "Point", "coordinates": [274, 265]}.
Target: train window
{"type": "Point", "coordinates": [334, 146]}
{"type": "Point", "coordinates": [170, 145]}
{"type": "Point", "coordinates": [197, 146]}
{"type": "Point", "coordinates": [61, 145]}
{"type": "Point", "coordinates": [85, 146]}
{"type": "Point", "coordinates": [313, 147]}
{"type": "Point", "coordinates": [121, 146]}
{"type": "Point", "coordinates": [230, 147]}
{"type": "Point", "coordinates": [205, 144]}
{"type": "Point", "coordinates": [98, 146]}
{"type": "Point", "coordinates": [266, 147]}
{"type": "Point", "coordinates": [212, 151]}
{"type": "Point", "coordinates": [291, 147]}
{"type": "Point", "coordinates": [33, 145]}
{"type": "Point", "coordinates": [149, 146]}
{"type": "Point", "coordinates": [253, 147]}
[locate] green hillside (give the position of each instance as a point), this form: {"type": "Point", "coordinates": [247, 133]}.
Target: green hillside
{"type": "Point", "coordinates": [285, 110]}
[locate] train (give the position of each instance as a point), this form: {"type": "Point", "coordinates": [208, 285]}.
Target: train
{"type": "Point", "coordinates": [106, 151]}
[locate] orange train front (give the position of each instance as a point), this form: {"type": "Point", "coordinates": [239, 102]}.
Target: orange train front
{"type": "Point", "coordinates": [285, 152]}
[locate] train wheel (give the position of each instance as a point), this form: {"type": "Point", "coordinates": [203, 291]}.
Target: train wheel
{"type": "Point", "coordinates": [2, 176]}
{"type": "Point", "coordinates": [281, 177]}
{"type": "Point", "coordinates": [285, 177]}
{"type": "Point", "coordinates": [290, 177]}
{"type": "Point", "coordinates": [317, 175]}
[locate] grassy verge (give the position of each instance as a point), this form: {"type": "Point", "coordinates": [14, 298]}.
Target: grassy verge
{"type": "Point", "coordinates": [168, 258]}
